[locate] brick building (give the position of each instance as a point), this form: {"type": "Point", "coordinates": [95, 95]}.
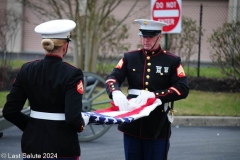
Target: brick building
{"type": "Point", "coordinates": [215, 13]}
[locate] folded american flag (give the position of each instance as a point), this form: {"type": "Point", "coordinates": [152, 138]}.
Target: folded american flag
{"type": "Point", "coordinates": [112, 115]}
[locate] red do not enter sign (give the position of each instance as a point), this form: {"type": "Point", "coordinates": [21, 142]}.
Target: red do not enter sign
{"type": "Point", "coordinates": [168, 11]}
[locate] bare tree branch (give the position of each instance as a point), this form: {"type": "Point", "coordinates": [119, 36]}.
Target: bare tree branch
{"type": "Point", "coordinates": [95, 25]}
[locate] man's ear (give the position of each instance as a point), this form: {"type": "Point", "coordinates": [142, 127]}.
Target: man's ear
{"type": "Point", "coordinates": [65, 47]}
{"type": "Point", "coordinates": [160, 35]}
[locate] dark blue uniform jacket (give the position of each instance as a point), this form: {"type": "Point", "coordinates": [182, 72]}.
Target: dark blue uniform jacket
{"type": "Point", "coordinates": [160, 72]}
{"type": "Point", "coordinates": [50, 85]}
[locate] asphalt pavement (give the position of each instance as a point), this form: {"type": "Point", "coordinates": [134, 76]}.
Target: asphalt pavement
{"type": "Point", "coordinates": [193, 138]}
{"type": "Point", "coordinates": [186, 143]}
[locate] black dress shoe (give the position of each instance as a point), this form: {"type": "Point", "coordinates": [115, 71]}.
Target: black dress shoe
{"type": "Point", "coordinates": [1, 134]}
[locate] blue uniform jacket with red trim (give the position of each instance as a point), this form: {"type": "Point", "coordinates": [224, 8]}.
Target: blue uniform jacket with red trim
{"type": "Point", "coordinates": [160, 72]}
{"type": "Point", "coordinates": [51, 86]}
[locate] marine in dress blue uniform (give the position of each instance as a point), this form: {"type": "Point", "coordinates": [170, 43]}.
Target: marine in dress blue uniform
{"type": "Point", "coordinates": [151, 72]}
{"type": "Point", "coordinates": [54, 90]}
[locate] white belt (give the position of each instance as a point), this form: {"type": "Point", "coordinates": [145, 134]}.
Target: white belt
{"type": "Point", "coordinates": [138, 92]}
{"type": "Point", "coordinates": [47, 116]}
{"type": "Point", "coordinates": [135, 91]}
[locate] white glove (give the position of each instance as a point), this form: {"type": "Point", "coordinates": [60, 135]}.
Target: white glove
{"type": "Point", "coordinates": [120, 100]}
{"type": "Point", "coordinates": [143, 97]}
{"type": "Point", "coordinates": [86, 118]}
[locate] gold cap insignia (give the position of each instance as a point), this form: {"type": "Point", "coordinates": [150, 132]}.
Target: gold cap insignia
{"type": "Point", "coordinates": [145, 22]}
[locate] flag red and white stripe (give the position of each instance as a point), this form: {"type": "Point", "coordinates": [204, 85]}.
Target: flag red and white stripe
{"type": "Point", "coordinates": [112, 115]}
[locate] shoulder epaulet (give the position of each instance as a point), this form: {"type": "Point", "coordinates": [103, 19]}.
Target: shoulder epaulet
{"type": "Point", "coordinates": [69, 64]}
{"type": "Point", "coordinates": [169, 53]}
{"type": "Point", "coordinates": [134, 50]}
{"type": "Point", "coordinates": [33, 61]}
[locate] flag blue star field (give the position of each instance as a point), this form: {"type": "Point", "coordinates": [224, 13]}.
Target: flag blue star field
{"type": "Point", "coordinates": [112, 115]}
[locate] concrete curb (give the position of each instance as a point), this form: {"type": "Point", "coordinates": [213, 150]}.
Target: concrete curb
{"type": "Point", "coordinates": [200, 120]}
{"type": "Point", "coordinates": [206, 121]}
